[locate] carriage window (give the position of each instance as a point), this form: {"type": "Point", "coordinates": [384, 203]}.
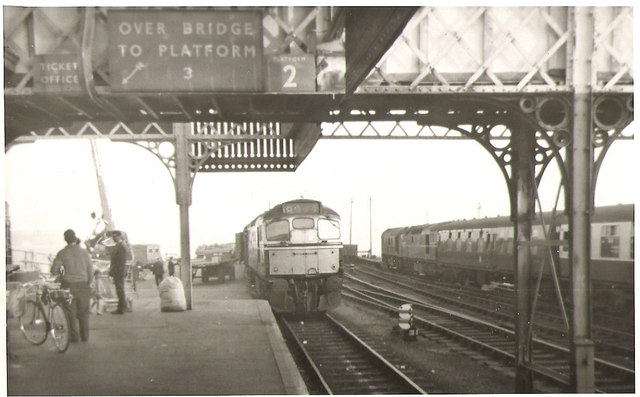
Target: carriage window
{"type": "Point", "coordinates": [278, 230]}
{"type": "Point", "coordinates": [328, 229]}
{"type": "Point", "coordinates": [609, 242]}
{"type": "Point", "coordinates": [566, 236]}
{"type": "Point", "coordinates": [303, 223]}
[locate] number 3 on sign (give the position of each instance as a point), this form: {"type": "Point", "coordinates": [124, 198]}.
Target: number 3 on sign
{"type": "Point", "coordinates": [291, 71]}
{"type": "Point", "coordinates": [188, 73]}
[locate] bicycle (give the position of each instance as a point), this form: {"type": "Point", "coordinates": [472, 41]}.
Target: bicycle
{"type": "Point", "coordinates": [44, 315]}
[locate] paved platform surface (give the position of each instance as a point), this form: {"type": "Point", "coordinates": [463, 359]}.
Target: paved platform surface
{"type": "Point", "coordinates": [228, 343]}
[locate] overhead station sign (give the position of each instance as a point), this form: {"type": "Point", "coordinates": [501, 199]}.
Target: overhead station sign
{"type": "Point", "coordinates": [160, 50]}
{"type": "Point", "coordinates": [56, 73]}
{"type": "Point", "coordinates": [291, 72]}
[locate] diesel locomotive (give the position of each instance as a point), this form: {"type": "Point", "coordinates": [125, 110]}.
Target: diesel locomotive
{"type": "Point", "coordinates": [482, 251]}
{"type": "Point", "coordinates": [292, 254]}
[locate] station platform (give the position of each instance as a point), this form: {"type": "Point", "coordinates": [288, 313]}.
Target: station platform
{"type": "Point", "coordinates": [228, 343]}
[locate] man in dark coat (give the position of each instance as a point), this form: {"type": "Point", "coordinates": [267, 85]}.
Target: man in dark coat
{"type": "Point", "coordinates": [118, 271]}
{"type": "Point", "coordinates": [158, 272]}
{"type": "Point", "coordinates": [172, 267]}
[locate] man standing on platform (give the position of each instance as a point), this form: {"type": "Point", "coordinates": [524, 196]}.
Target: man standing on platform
{"type": "Point", "coordinates": [118, 271]}
{"type": "Point", "coordinates": [172, 267]}
{"type": "Point", "coordinates": [77, 277]}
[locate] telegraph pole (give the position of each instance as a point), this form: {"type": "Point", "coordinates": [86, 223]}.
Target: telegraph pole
{"type": "Point", "coordinates": [370, 231]}
{"type": "Point", "coordinates": [350, 220]}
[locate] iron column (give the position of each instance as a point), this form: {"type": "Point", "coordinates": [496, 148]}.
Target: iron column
{"type": "Point", "coordinates": [582, 363]}
{"type": "Point", "coordinates": [524, 183]}
{"type": "Point", "coordinates": [181, 132]}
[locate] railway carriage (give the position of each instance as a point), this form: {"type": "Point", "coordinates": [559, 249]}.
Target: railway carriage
{"type": "Point", "coordinates": [292, 254]}
{"type": "Point", "coordinates": [482, 250]}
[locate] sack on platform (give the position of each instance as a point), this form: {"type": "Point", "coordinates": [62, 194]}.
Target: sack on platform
{"type": "Point", "coordinates": [16, 302]}
{"type": "Point", "coordinates": [172, 297]}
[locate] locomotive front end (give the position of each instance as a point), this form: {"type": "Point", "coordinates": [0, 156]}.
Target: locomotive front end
{"type": "Point", "coordinates": [298, 268]}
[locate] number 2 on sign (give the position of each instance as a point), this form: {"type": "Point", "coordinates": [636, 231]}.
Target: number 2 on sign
{"type": "Point", "coordinates": [291, 70]}
{"type": "Point", "coordinates": [188, 73]}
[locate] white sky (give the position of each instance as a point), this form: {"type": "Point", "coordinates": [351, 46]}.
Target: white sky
{"type": "Point", "coordinates": [51, 186]}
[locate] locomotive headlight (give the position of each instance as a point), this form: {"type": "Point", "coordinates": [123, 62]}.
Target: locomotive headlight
{"type": "Point", "coordinates": [333, 267]}
{"type": "Point", "coordinates": [275, 269]}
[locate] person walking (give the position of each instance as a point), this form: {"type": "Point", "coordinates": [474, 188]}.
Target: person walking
{"type": "Point", "coordinates": [77, 277]}
{"type": "Point", "coordinates": [118, 271]}
{"type": "Point", "coordinates": [158, 272]}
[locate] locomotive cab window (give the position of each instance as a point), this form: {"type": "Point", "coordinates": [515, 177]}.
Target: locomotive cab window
{"type": "Point", "coordinates": [278, 230]}
{"type": "Point", "coordinates": [302, 223]}
{"type": "Point", "coordinates": [328, 229]}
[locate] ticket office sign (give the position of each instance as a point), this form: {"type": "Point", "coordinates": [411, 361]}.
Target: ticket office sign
{"type": "Point", "coordinates": [56, 73]}
{"type": "Point", "coordinates": [160, 50]}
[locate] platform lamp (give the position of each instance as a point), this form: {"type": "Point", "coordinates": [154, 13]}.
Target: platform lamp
{"type": "Point", "coordinates": [405, 322]}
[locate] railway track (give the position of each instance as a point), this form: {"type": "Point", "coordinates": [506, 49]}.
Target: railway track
{"type": "Point", "coordinates": [502, 298]}
{"type": "Point", "coordinates": [551, 361]}
{"type": "Point", "coordinates": [616, 345]}
{"type": "Point", "coordinates": [343, 363]}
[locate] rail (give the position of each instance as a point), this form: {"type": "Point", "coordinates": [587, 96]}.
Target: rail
{"type": "Point", "coordinates": [472, 331]}
{"type": "Point", "coordinates": [369, 371]}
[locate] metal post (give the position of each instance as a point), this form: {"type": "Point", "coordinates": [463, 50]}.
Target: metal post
{"type": "Point", "coordinates": [183, 199]}
{"type": "Point", "coordinates": [582, 363]}
{"type": "Point", "coordinates": [370, 231]}
{"type": "Point", "coordinates": [350, 221]}
{"type": "Point", "coordinates": [523, 174]}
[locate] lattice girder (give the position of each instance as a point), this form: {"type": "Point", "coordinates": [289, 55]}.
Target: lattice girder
{"type": "Point", "coordinates": [503, 49]}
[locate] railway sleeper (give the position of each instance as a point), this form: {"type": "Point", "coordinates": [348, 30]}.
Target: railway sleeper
{"type": "Point", "coordinates": [350, 372]}
{"type": "Point", "coordinates": [333, 350]}
{"type": "Point", "coordinates": [372, 390]}
{"type": "Point", "coordinates": [347, 360]}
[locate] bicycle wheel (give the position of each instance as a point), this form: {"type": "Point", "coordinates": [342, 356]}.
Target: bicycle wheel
{"type": "Point", "coordinates": [33, 323]}
{"type": "Point", "coordinates": [59, 328]}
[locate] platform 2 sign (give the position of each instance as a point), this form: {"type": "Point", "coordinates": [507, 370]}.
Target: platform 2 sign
{"type": "Point", "coordinates": [291, 73]}
{"type": "Point", "coordinates": [159, 50]}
